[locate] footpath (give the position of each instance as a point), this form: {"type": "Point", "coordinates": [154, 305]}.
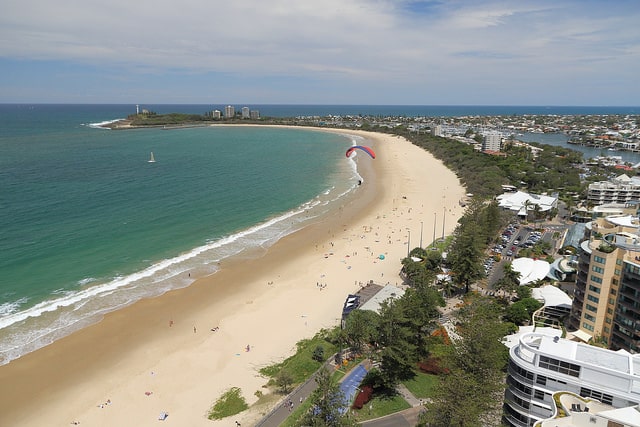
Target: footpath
{"type": "Point", "coordinates": [349, 386]}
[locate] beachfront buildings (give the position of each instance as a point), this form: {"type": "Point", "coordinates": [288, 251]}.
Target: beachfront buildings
{"type": "Point", "coordinates": [621, 189]}
{"type": "Point", "coordinates": [229, 111]}
{"type": "Point", "coordinates": [606, 302]}
{"type": "Point", "coordinates": [540, 365]}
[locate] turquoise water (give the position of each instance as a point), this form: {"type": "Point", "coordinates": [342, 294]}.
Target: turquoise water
{"type": "Point", "coordinates": [88, 225]}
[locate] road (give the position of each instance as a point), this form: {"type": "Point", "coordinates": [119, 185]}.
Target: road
{"type": "Point", "coordinates": [407, 418]}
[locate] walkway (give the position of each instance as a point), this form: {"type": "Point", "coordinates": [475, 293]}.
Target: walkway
{"type": "Point", "coordinates": [280, 413]}
{"type": "Point", "coordinates": [407, 418]}
{"type": "Point", "coordinates": [408, 396]}
{"type": "Point", "coordinates": [348, 385]}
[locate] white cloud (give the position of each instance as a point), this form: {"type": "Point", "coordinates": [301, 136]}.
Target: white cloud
{"type": "Point", "coordinates": [436, 46]}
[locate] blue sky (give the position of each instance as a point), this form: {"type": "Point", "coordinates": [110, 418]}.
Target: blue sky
{"type": "Point", "coordinates": [458, 52]}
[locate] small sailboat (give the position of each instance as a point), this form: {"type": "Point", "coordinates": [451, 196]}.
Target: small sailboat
{"type": "Point", "coordinates": [152, 159]}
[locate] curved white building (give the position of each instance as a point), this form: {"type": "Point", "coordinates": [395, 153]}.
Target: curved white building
{"type": "Point", "coordinates": [540, 365]}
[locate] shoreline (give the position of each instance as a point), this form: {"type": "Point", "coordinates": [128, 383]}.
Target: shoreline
{"type": "Point", "coordinates": [61, 314]}
{"type": "Point", "coordinates": [165, 345]}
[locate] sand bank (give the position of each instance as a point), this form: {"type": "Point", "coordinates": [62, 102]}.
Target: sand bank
{"type": "Point", "coordinates": [161, 354]}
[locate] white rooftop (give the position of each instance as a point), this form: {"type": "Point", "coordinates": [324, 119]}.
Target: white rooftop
{"type": "Point", "coordinates": [628, 416]}
{"type": "Point", "coordinates": [620, 361]}
{"type": "Point", "coordinates": [388, 292]}
{"type": "Point", "coordinates": [517, 201]}
{"type": "Point", "coordinates": [623, 220]}
{"type": "Point", "coordinates": [551, 296]}
{"type": "Point", "coordinates": [513, 339]}
{"type": "Point", "coordinates": [531, 270]}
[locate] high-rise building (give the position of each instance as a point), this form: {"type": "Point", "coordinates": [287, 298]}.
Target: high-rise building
{"type": "Point", "coordinates": [540, 365]}
{"type": "Point", "coordinates": [491, 141]}
{"type": "Point", "coordinates": [229, 111]}
{"type": "Point", "coordinates": [246, 113]}
{"type": "Point", "coordinates": [606, 302]}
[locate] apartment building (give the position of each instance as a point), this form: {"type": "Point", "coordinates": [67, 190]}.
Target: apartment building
{"type": "Point", "coordinates": [540, 365]}
{"type": "Point", "coordinates": [491, 141]}
{"type": "Point", "coordinates": [606, 301]}
{"type": "Point", "coordinates": [617, 190]}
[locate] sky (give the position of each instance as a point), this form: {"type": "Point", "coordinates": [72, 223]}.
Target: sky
{"type": "Point", "coordinates": [352, 52]}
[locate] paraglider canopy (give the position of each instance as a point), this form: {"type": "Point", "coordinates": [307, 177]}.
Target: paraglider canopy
{"type": "Point", "coordinates": [364, 148]}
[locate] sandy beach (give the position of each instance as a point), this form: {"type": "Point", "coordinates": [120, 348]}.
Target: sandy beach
{"type": "Point", "coordinates": [179, 352]}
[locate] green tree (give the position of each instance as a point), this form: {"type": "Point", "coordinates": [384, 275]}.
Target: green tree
{"type": "Point", "coordinates": [521, 311]}
{"type": "Point", "coordinates": [284, 380]}
{"type": "Point", "coordinates": [523, 292]}
{"type": "Point", "coordinates": [415, 271]}
{"type": "Point", "coordinates": [420, 306]}
{"type": "Point", "coordinates": [446, 286]}
{"type": "Point", "coordinates": [470, 394]}
{"type": "Point", "coordinates": [517, 313]}
{"type": "Point", "coordinates": [400, 343]}
{"type": "Point", "coordinates": [465, 254]}
{"type": "Point", "coordinates": [433, 260]}
{"type": "Point", "coordinates": [318, 354]}
{"type": "Point", "coordinates": [360, 328]}
{"type": "Point", "coordinates": [326, 404]}
{"type": "Point", "coordinates": [491, 220]}
{"type": "Point", "coordinates": [510, 281]}
{"type": "Point", "coordinates": [455, 402]}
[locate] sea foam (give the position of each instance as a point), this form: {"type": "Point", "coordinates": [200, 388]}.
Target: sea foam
{"type": "Point", "coordinates": [23, 331]}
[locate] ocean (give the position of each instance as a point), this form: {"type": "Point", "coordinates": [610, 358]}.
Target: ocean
{"type": "Point", "coordinates": [88, 225]}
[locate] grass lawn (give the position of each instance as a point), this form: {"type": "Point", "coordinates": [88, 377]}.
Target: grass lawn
{"type": "Point", "coordinates": [381, 406]}
{"type": "Point", "coordinates": [301, 365]}
{"type": "Point", "coordinates": [422, 385]}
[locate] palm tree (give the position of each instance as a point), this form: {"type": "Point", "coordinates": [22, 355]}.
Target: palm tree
{"type": "Point", "coordinates": [537, 212]}
{"type": "Point", "coordinates": [527, 204]}
{"type": "Point", "coordinates": [446, 285]}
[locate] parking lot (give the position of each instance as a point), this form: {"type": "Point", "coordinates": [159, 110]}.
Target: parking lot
{"type": "Point", "coordinates": [514, 238]}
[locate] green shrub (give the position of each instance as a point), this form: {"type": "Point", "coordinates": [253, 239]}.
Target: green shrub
{"type": "Point", "coordinates": [230, 403]}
